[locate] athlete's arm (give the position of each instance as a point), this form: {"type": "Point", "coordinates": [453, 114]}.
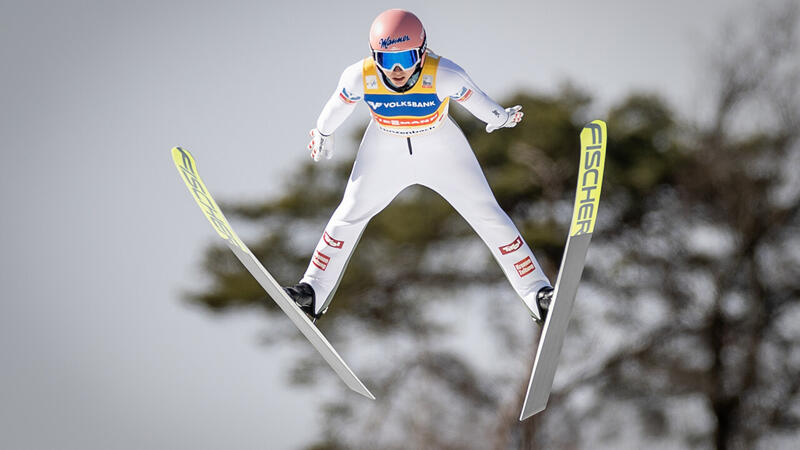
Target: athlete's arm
{"type": "Point", "coordinates": [452, 81]}
{"type": "Point", "coordinates": [343, 101]}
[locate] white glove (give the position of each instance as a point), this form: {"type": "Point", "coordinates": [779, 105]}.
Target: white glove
{"type": "Point", "coordinates": [320, 145]}
{"type": "Point", "coordinates": [514, 116]}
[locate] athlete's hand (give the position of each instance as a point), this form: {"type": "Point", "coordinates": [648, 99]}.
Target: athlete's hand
{"type": "Point", "coordinates": [514, 117]}
{"type": "Point", "coordinates": [320, 145]}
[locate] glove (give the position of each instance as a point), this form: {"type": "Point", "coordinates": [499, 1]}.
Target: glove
{"type": "Point", "coordinates": [514, 116]}
{"type": "Point", "coordinates": [320, 145]}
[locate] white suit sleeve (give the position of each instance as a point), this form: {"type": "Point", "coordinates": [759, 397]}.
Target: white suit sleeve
{"type": "Point", "coordinates": [452, 81]}
{"type": "Point", "coordinates": [343, 101]}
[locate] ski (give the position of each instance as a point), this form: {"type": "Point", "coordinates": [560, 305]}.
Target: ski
{"type": "Point", "coordinates": [587, 198]}
{"type": "Point", "coordinates": [188, 170]}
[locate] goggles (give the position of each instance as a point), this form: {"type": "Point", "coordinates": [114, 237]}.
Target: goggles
{"type": "Point", "coordinates": [406, 59]}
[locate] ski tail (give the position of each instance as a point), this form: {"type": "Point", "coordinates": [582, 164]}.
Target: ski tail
{"type": "Point", "coordinates": [584, 217]}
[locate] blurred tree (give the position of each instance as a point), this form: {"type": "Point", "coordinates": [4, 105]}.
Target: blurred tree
{"type": "Point", "coordinates": [685, 331]}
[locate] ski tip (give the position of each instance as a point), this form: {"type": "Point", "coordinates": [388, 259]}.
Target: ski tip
{"type": "Point", "coordinates": [596, 123]}
{"type": "Point", "coordinates": [182, 157]}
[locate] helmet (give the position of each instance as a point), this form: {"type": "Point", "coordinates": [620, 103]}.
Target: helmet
{"type": "Point", "coordinates": [395, 30]}
{"type": "Point", "coordinates": [397, 37]}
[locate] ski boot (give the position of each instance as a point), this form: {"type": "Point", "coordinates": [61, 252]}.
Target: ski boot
{"type": "Point", "coordinates": [303, 295]}
{"type": "Point", "coordinates": [543, 299]}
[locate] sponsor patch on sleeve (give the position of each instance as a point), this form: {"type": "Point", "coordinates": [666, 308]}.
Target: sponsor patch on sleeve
{"type": "Point", "coordinates": [321, 260]}
{"type": "Point", "coordinates": [331, 242]}
{"type": "Point", "coordinates": [348, 97]}
{"type": "Point", "coordinates": [512, 247]}
{"type": "Point", "coordinates": [525, 267]}
{"type": "Point", "coordinates": [462, 96]}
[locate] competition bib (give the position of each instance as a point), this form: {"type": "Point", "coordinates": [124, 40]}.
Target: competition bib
{"type": "Point", "coordinates": [409, 113]}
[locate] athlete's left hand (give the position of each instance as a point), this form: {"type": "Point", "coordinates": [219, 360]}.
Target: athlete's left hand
{"type": "Point", "coordinates": [514, 117]}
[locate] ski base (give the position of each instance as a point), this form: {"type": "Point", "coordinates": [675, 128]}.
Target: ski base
{"type": "Point", "coordinates": [587, 198]}
{"type": "Point", "coordinates": [188, 169]}
{"type": "Point", "coordinates": [555, 327]}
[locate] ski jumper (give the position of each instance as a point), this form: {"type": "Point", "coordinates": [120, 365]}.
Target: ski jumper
{"type": "Point", "coordinates": [412, 140]}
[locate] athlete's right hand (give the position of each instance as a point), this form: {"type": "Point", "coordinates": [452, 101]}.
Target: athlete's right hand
{"type": "Point", "coordinates": [320, 145]}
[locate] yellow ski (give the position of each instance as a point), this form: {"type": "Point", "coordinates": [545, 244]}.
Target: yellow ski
{"type": "Point", "coordinates": [584, 216]}
{"type": "Point", "coordinates": [188, 170]}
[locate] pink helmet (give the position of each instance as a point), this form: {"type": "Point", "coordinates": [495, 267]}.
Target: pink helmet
{"type": "Point", "coordinates": [395, 30]}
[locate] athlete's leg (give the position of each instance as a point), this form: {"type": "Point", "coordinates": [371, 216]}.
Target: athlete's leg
{"type": "Point", "coordinates": [378, 175]}
{"type": "Point", "coordinates": [453, 171]}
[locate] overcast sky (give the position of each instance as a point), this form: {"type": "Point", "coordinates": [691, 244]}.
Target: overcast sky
{"type": "Point", "coordinates": [99, 236]}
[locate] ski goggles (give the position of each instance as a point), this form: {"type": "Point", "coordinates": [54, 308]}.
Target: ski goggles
{"type": "Point", "coordinates": [406, 59]}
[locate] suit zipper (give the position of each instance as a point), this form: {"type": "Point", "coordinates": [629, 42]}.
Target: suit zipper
{"type": "Point", "coordinates": [408, 141]}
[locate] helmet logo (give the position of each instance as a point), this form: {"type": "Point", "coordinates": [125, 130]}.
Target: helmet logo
{"type": "Point", "coordinates": [388, 41]}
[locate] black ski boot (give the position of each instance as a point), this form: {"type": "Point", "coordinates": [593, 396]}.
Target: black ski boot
{"type": "Point", "coordinates": [543, 299]}
{"type": "Point", "coordinates": [303, 295]}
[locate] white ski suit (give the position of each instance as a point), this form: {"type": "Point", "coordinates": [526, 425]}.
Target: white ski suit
{"type": "Point", "coordinates": [411, 140]}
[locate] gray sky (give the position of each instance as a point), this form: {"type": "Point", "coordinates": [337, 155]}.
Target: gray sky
{"type": "Point", "coordinates": [99, 236]}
